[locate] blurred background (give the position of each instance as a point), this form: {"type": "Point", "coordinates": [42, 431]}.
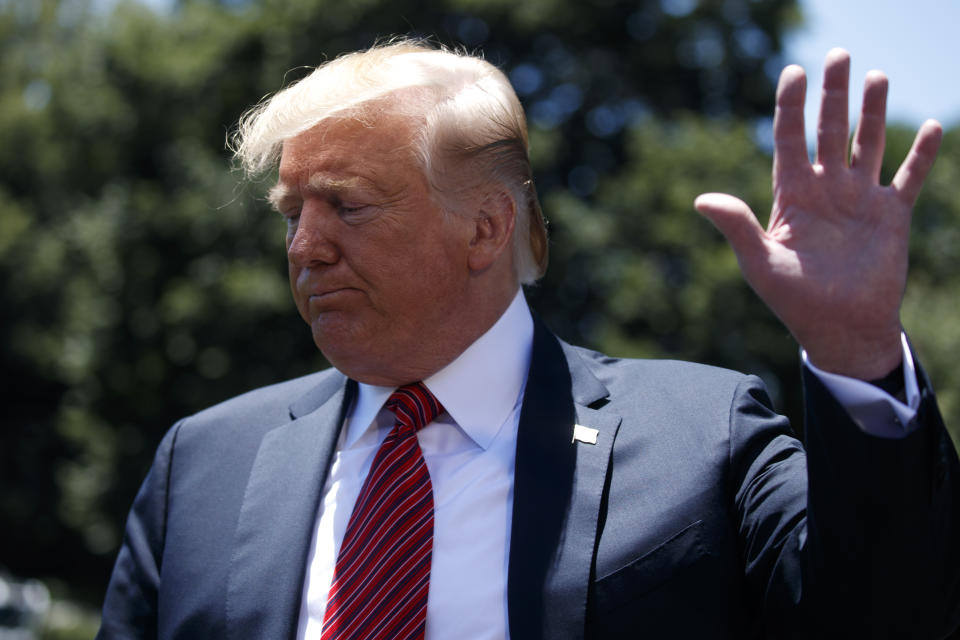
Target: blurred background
{"type": "Point", "coordinates": [142, 279]}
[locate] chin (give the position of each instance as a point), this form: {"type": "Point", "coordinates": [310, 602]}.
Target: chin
{"type": "Point", "coordinates": [350, 355]}
{"type": "Point", "coordinates": [361, 370]}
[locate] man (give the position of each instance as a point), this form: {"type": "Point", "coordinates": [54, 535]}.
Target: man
{"type": "Point", "coordinates": [555, 492]}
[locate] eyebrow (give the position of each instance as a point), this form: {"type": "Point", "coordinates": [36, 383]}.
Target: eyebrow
{"type": "Point", "coordinates": [282, 196]}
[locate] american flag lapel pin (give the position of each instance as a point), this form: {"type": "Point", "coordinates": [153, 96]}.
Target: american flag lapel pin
{"type": "Point", "coordinates": [587, 435]}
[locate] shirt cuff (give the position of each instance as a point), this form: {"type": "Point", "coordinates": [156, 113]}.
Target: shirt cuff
{"type": "Point", "coordinates": [872, 409]}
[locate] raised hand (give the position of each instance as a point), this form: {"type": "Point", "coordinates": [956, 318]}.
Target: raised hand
{"type": "Point", "coordinates": [832, 263]}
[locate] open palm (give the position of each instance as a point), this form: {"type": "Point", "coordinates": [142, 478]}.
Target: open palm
{"type": "Point", "coordinates": [832, 262]}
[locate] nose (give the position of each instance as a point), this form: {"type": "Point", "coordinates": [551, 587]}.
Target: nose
{"type": "Point", "coordinates": [311, 238]}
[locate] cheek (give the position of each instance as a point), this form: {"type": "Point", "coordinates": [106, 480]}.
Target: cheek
{"type": "Point", "coordinates": [293, 273]}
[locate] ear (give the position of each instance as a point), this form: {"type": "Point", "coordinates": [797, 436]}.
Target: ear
{"type": "Point", "coordinates": [493, 226]}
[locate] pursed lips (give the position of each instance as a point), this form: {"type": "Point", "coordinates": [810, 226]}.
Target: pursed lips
{"type": "Point", "coordinates": [312, 287]}
{"type": "Point", "coordinates": [329, 293]}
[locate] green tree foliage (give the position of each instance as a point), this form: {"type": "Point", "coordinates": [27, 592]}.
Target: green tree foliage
{"type": "Point", "coordinates": [143, 281]}
{"type": "Point", "coordinates": [932, 304]}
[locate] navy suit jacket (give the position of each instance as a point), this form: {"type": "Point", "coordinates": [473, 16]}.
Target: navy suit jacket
{"type": "Point", "coordinates": [696, 514]}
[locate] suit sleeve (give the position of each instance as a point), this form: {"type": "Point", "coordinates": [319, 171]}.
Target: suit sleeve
{"type": "Point", "coordinates": [895, 565]}
{"type": "Point", "coordinates": [860, 537]}
{"type": "Point", "coordinates": [130, 606]}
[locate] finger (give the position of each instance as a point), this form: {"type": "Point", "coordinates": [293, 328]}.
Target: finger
{"type": "Point", "coordinates": [789, 138]}
{"type": "Point", "coordinates": [916, 166]}
{"type": "Point", "coordinates": [870, 138]}
{"type": "Point", "coordinates": [736, 222]}
{"type": "Point", "coordinates": [833, 128]}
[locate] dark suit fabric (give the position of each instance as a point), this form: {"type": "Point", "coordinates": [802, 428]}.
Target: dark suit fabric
{"type": "Point", "coordinates": [692, 516]}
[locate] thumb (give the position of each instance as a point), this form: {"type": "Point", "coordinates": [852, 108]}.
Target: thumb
{"type": "Point", "coordinates": [735, 221]}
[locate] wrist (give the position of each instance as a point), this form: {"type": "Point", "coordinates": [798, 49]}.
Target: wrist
{"type": "Point", "coordinates": [860, 358]}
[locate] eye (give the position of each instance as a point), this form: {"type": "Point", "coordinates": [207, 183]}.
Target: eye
{"type": "Point", "coordinates": [291, 217]}
{"type": "Point", "coordinates": [355, 212]}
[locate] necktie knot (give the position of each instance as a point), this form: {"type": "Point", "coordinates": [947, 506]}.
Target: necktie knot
{"type": "Point", "coordinates": [414, 406]}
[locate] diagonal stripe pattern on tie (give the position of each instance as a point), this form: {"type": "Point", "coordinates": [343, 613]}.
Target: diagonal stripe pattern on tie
{"type": "Point", "coordinates": [382, 576]}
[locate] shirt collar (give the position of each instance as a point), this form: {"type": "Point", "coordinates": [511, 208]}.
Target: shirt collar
{"type": "Point", "coordinates": [479, 389]}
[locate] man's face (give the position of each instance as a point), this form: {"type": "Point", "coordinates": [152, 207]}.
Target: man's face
{"type": "Point", "coordinates": [378, 270]}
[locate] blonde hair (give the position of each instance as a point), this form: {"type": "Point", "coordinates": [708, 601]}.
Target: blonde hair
{"type": "Point", "coordinates": [472, 130]}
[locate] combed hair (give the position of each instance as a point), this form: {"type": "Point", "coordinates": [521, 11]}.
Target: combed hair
{"type": "Point", "coordinates": [472, 130]}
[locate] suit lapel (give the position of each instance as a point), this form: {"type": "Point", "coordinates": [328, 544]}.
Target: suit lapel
{"type": "Point", "coordinates": [558, 488]}
{"type": "Point", "coordinates": [275, 527]}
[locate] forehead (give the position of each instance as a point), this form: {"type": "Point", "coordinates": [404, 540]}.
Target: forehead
{"type": "Point", "coordinates": [349, 144]}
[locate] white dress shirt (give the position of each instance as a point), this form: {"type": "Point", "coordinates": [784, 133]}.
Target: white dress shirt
{"type": "Point", "coordinates": [469, 451]}
{"type": "Point", "coordinates": [872, 409]}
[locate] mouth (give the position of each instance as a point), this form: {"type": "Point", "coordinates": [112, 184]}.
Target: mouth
{"type": "Point", "coordinates": [327, 292]}
{"type": "Point", "coordinates": [330, 296]}
{"type": "Point", "coordinates": [326, 289]}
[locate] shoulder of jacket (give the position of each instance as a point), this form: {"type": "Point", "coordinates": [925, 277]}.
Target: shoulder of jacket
{"type": "Point", "coordinates": [268, 405]}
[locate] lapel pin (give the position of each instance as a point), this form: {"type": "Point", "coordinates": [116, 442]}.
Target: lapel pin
{"type": "Point", "coordinates": [585, 434]}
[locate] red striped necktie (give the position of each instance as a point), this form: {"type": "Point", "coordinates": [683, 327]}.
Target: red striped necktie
{"type": "Point", "coordinates": [382, 576]}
